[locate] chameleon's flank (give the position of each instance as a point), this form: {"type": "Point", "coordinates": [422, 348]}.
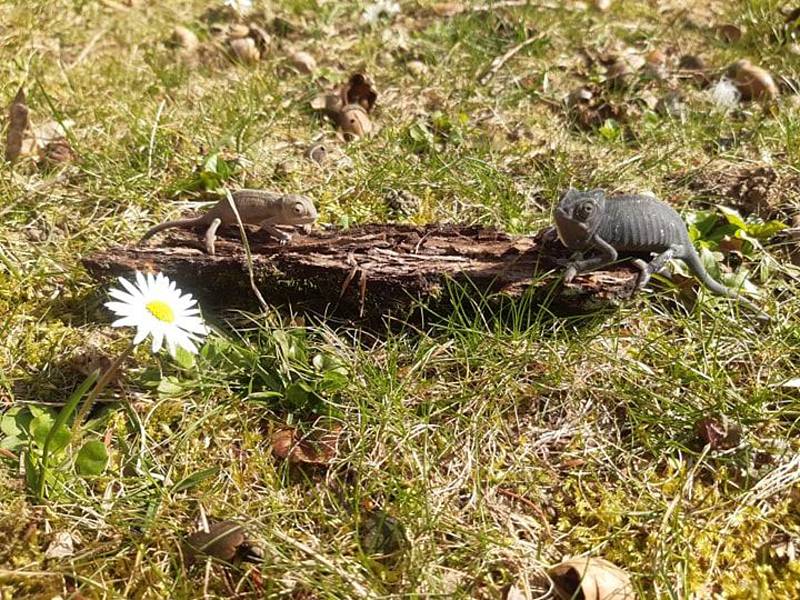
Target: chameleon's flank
{"type": "Point", "coordinates": [255, 207]}
{"type": "Point", "coordinates": [630, 224]}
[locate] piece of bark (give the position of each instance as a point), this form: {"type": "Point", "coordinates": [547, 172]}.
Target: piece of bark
{"type": "Point", "coordinates": [367, 272]}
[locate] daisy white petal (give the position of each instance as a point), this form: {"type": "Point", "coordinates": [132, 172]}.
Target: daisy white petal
{"type": "Point", "coordinates": [158, 309]}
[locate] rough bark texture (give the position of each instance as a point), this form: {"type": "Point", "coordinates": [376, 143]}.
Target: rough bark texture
{"type": "Point", "coordinates": [367, 272]}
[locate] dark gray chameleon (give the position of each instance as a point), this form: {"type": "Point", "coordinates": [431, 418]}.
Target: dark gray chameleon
{"type": "Point", "coordinates": [630, 224]}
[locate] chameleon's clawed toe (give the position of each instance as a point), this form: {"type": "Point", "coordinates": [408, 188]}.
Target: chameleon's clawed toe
{"type": "Point", "coordinates": [570, 273]}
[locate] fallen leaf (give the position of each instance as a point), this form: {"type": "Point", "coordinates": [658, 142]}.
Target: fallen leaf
{"type": "Point", "coordinates": [225, 540]}
{"type": "Point", "coordinates": [695, 68]}
{"type": "Point", "coordinates": [245, 49]}
{"type": "Point", "coordinates": [417, 68]}
{"type": "Point", "coordinates": [447, 9]}
{"type": "Point", "coordinates": [720, 433]}
{"type": "Point", "coordinates": [382, 536]}
{"type": "Point", "coordinates": [354, 121]}
{"type": "Point", "coordinates": [317, 448]}
{"type": "Point", "coordinates": [303, 62]}
{"type": "Point", "coordinates": [656, 64]}
{"type": "Point", "coordinates": [184, 38]}
{"type": "Point", "coordinates": [359, 90]}
{"type": "Point", "coordinates": [238, 30]}
{"type": "Point", "coordinates": [779, 551]}
{"type": "Point", "coordinates": [591, 579]}
{"type": "Point", "coordinates": [55, 153]}
{"type": "Point", "coordinates": [514, 593]}
{"type": "Point", "coordinates": [261, 38]}
{"type": "Point", "coordinates": [728, 32]}
{"type": "Point", "coordinates": [620, 71]}
{"type": "Point", "coordinates": [752, 82]}
{"type": "Point", "coordinates": [17, 124]}
{"type": "Point", "coordinates": [61, 546]}
{"type": "Point", "coordinates": [318, 153]}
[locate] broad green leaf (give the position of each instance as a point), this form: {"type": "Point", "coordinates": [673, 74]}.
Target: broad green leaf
{"type": "Point", "coordinates": [610, 130]}
{"type": "Point", "coordinates": [764, 231]}
{"type": "Point", "coordinates": [44, 431]}
{"type": "Point", "coordinates": [733, 217]}
{"type": "Point", "coordinates": [184, 358]}
{"type": "Point", "coordinates": [16, 421]}
{"type": "Point", "coordinates": [169, 386]}
{"type": "Point", "coordinates": [297, 393]}
{"type": "Point", "coordinates": [11, 442]}
{"type": "Point", "coordinates": [40, 427]}
{"type": "Point", "coordinates": [92, 458]}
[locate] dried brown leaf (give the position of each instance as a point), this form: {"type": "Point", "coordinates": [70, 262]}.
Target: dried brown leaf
{"type": "Point", "coordinates": [184, 38]}
{"type": "Point", "coordinates": [354, 121]}
{"type": "Point", "coordinates": [245, 50]}
{"type": "Point", "coordinates": [591, 579]}
{"type": "Point", "coordinates": [317, 448]}
{"type": "Point", "coordinates": [753, 82]}
{"type": "Point", "coordinates": [303, 62]}
{"type": "Point", "coordinates": [261, 38]}
{"type": "Point", "coordinates": [728, 32]}
{"type": "Point", "coordinates": [225, 540]}
{"type": "Point", "coordinates": [719, 432]}
{"type": "Point", "coordinates": [238, 30]}
{"type": "Point", "coordinates": [359, 90]}
{"type": "Point", "coordinates": [17, 124]}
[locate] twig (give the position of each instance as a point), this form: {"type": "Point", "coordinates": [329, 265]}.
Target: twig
{"type": "Point", "coordinates": [533, 506]}
{"type": "Point", "coordinates": [253, 286]}
{"type": "Point", "coordinates": [5, 573]}
{"type": "Point", "coordinates": [508, 4]}
{"type": "Point", "coordinates": [153, 140]}
{"type": "Point", "coordinates": [87, 49]}
{"type": "Point", "coordinates": [499, 61]}
{"type": "Point", "coordinates": [504, 4]}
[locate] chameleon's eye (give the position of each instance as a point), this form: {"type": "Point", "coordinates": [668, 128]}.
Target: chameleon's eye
{"type": "Point", "coordinates": [584, 211]}
{"type": "Point", "coordinates": [298, 209]}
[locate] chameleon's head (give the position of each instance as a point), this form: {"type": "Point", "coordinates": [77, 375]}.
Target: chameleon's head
{"type": "Point", "coordinates": [299, 210]}
{"type": "Point", "coordinates": [578, 215]}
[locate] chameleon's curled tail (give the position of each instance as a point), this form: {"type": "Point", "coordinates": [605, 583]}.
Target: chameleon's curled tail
{"type": "Point", "coordinates": [168, 224]}
{"type": "Point", "coordinates": [692, 260]}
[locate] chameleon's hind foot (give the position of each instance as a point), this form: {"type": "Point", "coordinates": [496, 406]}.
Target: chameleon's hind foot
{"type": "Point", "coordinates": [644, 273]}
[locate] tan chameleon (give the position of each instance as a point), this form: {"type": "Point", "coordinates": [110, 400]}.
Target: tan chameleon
{"type": "Point", "coordinates": [255, 207]}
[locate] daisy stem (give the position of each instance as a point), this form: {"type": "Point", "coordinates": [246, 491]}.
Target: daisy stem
{"type": "Point", "coordinates": [105, 378]}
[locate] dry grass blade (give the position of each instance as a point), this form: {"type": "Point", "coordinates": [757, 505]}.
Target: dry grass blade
{"type": "Point", "coordinates": [499, 61]}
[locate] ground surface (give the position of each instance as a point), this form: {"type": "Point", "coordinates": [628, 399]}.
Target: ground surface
{"type": "Point", "coordinates": [499, 441]}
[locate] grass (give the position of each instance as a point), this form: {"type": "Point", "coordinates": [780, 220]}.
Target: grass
{"type": "Point", "coordinates": [501, 441]}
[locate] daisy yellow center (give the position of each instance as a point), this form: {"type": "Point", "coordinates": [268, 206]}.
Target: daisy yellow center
{"type": "Point", "coordinates": [161, 311]}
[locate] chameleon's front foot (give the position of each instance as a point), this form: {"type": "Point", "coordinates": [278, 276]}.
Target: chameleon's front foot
{"type": "Point", "coordinates": [570, 272]}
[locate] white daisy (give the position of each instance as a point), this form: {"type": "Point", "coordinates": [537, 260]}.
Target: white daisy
{"type": "Point", "coordinates": [240, 6]}
{"type": "Point", "coordinates": [725, 95]}
{"type": "Point", "coordinates": [375, 11]}
{"type": "Point", "coordinates": [155, 307]}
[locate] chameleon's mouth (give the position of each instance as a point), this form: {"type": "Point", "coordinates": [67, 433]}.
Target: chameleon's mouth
{"type": "Point", "coordinates": [572, 233]}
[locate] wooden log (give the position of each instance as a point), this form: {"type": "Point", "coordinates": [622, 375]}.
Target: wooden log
{"type": "Point", "coordinates": [367, 272]}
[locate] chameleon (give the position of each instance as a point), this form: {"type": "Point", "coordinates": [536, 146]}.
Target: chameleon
{"type": "Point", "coordinates": [255, 207]}
{"type": "Point", "coordinates": [587, 220]}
